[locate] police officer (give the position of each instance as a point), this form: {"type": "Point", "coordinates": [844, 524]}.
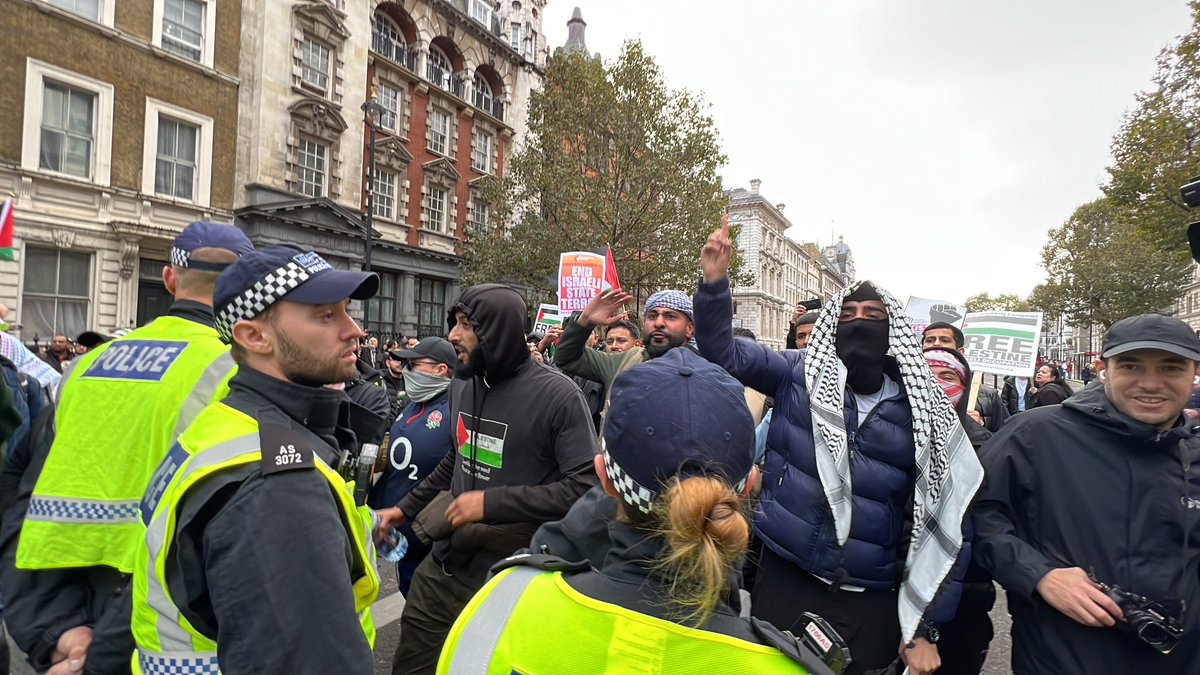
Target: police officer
{"type": "Point", "coordinates": [121, 407]}
{"type": "Point", "coordinates": [679, 474]}
{"type": "Point", "coordinates": [254, 547]}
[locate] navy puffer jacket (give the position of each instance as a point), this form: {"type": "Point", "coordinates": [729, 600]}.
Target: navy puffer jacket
{"type": "Point", "coordinates": [794, 518]}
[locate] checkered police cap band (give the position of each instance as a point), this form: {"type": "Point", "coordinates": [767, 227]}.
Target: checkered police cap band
{"type": "Point", "coordinates": [635, 494]}
{"type": "Point", "coordinates": [631, 493]}
{"type": "Point", "coordinates": [180, 257]}
{"type": "Point", "coordinates": [256, 299]}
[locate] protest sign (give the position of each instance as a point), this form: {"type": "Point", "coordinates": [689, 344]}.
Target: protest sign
{"type": "Point", "coordinates": [581, 276]}
{"type": "Point", "coordinates": [1003, 343]}
{"type": "Point", "coordinates": [921, 312]}
{"type": "Point", "coordinates": [547, 317]}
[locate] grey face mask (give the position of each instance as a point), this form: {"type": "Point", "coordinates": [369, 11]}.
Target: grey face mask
{"type": "Point", "coordinates": [423, 386]}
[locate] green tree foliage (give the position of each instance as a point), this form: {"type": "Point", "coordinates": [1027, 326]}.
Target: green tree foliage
{"type": "Point", "coordinates": [613, 157]}
{"type": "Point", "coordinates": [1005, 302]}
{"type": "Point", "coordinates": [1100, 268]}
{"type": "Point", "coordinates": [1156, 150]}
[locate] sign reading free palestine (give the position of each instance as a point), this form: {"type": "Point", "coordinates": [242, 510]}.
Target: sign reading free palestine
{"type": "Point", "coordinates": [1004, 343]}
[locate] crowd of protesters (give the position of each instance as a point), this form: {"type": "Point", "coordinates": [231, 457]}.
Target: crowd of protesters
{"type": "Point", "coordinates": [655, 492]}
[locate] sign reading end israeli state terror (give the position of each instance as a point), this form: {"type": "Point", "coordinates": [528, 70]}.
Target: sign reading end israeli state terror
{"type": "Point", "coordinates": [1003, 343]}
{"type": "Point", "coordinates": [580, 278]}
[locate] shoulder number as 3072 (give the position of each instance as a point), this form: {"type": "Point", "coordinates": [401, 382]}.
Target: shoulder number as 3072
{"type": "Point", "coordinates": [288, 455]}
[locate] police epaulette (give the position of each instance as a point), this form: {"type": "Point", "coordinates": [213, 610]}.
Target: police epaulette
{"type": "Point", "coordinates": [541, 561]}
{"type": "Point", "coordinates": [283, 450]}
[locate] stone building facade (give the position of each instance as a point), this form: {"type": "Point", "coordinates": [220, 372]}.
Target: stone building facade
{"type": "Point", "coordinates": [785, 271]}
{"type": "Point", "coordinates": [109, 148]}
{"type": "Point", "coordinates": [448, 81]}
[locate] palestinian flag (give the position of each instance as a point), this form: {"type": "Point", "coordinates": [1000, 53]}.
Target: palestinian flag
{"type": "Point", "coordinates": [1006, 325]}
{"type": "Point", "coordinates": [6, 230]}
{"type": "Point", "coordinates": [481, 440]}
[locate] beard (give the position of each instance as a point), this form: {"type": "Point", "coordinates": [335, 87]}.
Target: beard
{"type": "Point", "coordinates": [476, 365]}
{"type": "Point", "coordinates": [673, 341]}
{"type": "Point", "coordinates": [305, 368]}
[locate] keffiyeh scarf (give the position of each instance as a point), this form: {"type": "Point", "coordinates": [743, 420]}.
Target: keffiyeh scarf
{"type": "Point", "coordinates": [948, 471]}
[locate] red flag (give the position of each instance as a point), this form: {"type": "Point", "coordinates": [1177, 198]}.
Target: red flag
{"type": "Point", "coordinates": [6, 230]}
{"type": "Point", "coordinates": [610, 269]}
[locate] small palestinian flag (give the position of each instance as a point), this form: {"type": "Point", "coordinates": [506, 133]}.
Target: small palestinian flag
{"type": "Point", "coordinates": [488, 439]}
{"type": "Point", "coordinates": [6, 230]}
{"type": "Point", "coordinates": [1006, 325]}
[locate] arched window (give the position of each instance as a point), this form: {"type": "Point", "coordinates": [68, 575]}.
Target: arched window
{"type": "Point", "coordinates": [386, 38]}
{"type": "Point", "coordinates": [483, 93]}
{"type": "Point", "coordinates": [439, 68]}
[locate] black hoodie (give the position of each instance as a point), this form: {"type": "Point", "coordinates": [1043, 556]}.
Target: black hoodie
{"type": "Point", "coordinates": [1083, 485]}
{"type": "Point", "coordinates": [522, 433]}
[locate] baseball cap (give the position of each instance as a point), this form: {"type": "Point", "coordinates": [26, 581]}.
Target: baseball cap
{"type": "Point", "coordinates": [259, 279]}
{"type": "Point", "coordinates": [208, 235]}
{"type": "Point", "coordinates": [436, 348]}
{"type": "Point", "coordinates": [1151, 331]}
{"type": "Point", "coordinates": [676, 415]}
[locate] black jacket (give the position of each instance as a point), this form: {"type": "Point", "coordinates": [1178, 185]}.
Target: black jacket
{"type": "Point", "coordinates": [1010, 395]}
{"type": "Point", "coordinates": [991, 408]}
{"type": "Point", "coordinates": [1083, 485]}
{"type": "Point", "coordinates": [522, 434]}
{"type": "Point", "coordinates": [1050, 394]}
{"type": "Point", "coordinates": [262, 560]}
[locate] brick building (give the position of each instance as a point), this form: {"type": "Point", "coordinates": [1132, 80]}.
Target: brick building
{"type": "Point", "coordinates": [109, 147]}
{"type": "Point", "coordinates": [163, 112]}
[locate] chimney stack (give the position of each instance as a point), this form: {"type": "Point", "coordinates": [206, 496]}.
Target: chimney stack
{"type": "Point", "coordinates": [754, 185]}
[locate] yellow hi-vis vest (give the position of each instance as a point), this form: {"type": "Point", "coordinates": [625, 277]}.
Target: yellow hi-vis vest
{"type": "Point", "coordinates": [122, 406]}
{"type": "Point", "coordinates": [221, 438]}
{"type": "Point", "coordinates": [531, 622]}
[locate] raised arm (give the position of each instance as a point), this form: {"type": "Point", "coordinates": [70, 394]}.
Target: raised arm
{"type": "Point", "coordinates": [754, 365]}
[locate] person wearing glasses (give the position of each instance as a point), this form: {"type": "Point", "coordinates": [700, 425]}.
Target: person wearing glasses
{"type": "Point", "coordinates": [418, 441]}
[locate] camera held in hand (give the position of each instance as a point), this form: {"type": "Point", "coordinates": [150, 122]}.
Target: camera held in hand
{"type": "Point", "coordinates": [1145, 619]}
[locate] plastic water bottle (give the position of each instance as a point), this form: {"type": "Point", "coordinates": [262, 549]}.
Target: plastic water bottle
{"type": "Point", "coordinates": [394, 545]}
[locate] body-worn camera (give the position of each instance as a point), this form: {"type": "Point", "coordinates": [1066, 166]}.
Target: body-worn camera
{"type": "Point", "coordinates": [1145, 619]}
{"type": "Point", "coordinates": [824, 641]}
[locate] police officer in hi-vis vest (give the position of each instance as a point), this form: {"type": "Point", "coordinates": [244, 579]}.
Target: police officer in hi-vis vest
{"type": "Point", "coordinates": [678, 459]}
{"type": "Point", "coordinates": [122, 405]}
{"type": "Point", "coordinates": [255, 558]}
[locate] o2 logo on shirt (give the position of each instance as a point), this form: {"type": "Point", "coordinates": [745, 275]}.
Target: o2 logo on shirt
{"type": "Point", "coordinates": [405, 461]}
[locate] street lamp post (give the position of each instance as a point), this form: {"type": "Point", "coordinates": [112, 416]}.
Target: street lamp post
{"type": "Point", "coordinates": [371, 109]}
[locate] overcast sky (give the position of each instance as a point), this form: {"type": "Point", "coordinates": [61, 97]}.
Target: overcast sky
{"type": "Point", "coordinates": [941, 138]}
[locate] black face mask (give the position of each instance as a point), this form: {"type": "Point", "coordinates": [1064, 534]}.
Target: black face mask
{"type": "Point", "coordinates": [862, 346]}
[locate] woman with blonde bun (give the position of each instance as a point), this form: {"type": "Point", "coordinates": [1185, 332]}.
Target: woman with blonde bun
{"type": "Point", "coordinates": [678, 461]}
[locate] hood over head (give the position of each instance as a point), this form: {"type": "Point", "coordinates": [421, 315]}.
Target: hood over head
{"type": "Point", "coordinates": [499, 316]}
